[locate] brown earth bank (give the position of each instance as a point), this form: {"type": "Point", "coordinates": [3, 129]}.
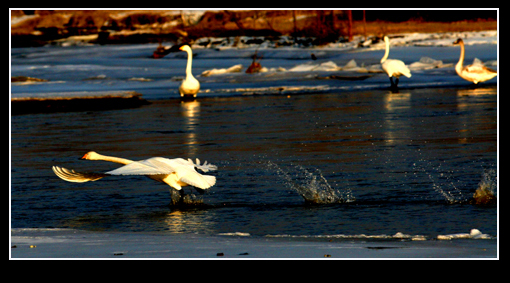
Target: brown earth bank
{"type": "Point", "coordinates": [41, 27]}
{"type": "Point", "coordinates": [98, 103]}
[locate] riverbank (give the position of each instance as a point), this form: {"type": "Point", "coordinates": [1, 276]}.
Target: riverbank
{"type": "Point", "coordinates": [75, 101]}
{"type": "Point", "coordinates": [64, 27]}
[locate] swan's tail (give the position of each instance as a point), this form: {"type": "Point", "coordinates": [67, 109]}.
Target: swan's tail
{"type": "Point", "coordinates": [76, 177]}
{"type": "Point", "coordinates": [204, 167]}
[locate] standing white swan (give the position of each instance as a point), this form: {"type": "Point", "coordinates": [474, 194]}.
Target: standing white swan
{"type": "Point", "coordinates": [392, 67]}
{"type": "Point", "coordinates": [176, 172]}
{"type": "Point", "coordinates": [190, 86]}
{"type": "Point", "coordinates": [475, 72]}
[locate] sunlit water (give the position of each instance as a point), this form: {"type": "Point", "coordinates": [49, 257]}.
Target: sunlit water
{"type": "Point", "coordinates": [314, 163]}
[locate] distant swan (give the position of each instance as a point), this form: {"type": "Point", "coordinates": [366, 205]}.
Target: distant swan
{"type": "Point", "coordinates": [476, 72]}
{"type": "Point", "coordinates": [176, 172]}
{"type": "Point", "coordinates": [392, 67]}
{"type": "Point", "coordinates": [190, 86]}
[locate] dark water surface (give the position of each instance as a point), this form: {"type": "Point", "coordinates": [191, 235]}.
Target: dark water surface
{"type": "Point", "coordinates": [378, 163]}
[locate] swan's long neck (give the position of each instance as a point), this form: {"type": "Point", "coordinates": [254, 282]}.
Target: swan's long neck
{"type": "Point", "coordinates": [112, 159]}
{"type": "Point", "coordinates": [460, 64]}
{"type": "Point", "coordinates": [188, 65]}
{"type": "Point", "coordinates": [387, 52]}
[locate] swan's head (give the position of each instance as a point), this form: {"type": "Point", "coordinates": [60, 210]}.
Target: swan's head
{"type": "Point", "coordinates": [185, 47]}
{"type": "Point", "coordinates": [386, 38]}
{"type": "Point", "coordinates": [91, 155]}
{"type": "Point", "coordinates": [458, 41]}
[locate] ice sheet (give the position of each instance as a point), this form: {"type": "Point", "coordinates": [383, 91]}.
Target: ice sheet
{"type": "Point", "coordinates": [69, 243]}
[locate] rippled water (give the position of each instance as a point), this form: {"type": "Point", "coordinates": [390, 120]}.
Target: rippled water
{"type": "Point", "coordinates": [345, 161]}
{"type": "Point", "coordinates": [388, 162]}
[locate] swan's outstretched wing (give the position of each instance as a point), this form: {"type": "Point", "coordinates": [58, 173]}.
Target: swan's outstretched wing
{"type": "Point", "coordinates": [183, 170]}
{"type": "Point", "coordinates": [73, 176]}
{"type": "Point", "coordinates": [204, 167]}
{"type": "Point", "coordinates": [151, 166]}
{"type": "Point", "coordinates": [162, 169]}
{"type": "Point", "coordinates": [198, 180]}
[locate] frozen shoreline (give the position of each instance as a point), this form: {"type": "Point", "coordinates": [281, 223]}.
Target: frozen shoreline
{"type": "Point", "coordinates": [285, 70]}
{"type": "Point", "coordinates": [358, 44]}
{"type": "Point", "coordinates": [69, 243]}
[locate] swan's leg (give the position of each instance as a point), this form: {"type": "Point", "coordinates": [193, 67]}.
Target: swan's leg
{"type": "Point", "coordinates": [392, 83]}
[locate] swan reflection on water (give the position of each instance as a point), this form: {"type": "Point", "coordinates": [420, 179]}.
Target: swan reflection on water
{"type": "Point", "coordinates": [393, 103]}
{"type": "Point", "coordinates": [190, 110]}
{"type": "Point", "coordinates": [477, 91]}
{"type": "Point", "coordinates": [181, 221]}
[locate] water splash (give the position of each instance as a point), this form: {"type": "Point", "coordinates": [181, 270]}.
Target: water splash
{"type": "Point", "coordinates": [187, 200]}
{"type": "Point", "coordinates": [489, 181]}
{"type": "Point", "coordinates": [448, 190]}
{"type": "Point", "coordinates": [311, 184]}
{"type": "Point", "coordinates": [443, 182]}
{"type": "Point", "coordinates": [486, 191]}
{"type": "Point", "coordinates": [447, 185]}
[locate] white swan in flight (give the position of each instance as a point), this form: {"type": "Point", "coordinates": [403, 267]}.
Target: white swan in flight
{"type": "Point", "coordinates": [176, 172]}
{"type": "Point", "coordinates": [476, 72]}
{"type": "Point", "coordinates": [190, 86]}
{"type": "Point", "coordinates": [394, 68]}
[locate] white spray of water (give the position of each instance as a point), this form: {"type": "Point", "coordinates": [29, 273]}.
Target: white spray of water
{"type": "Point", "coordinates": [486, 191]}
{"type": "Point", "coordinates": [451, 196]}
{"type": "Point", "coordinates": [311, 185]}
{"type": "Point", "coordinates": [443, 182]}
{"type": "Point", "coordinates": [177, 199]}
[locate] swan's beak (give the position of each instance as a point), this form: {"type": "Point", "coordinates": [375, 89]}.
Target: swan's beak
{"type": "Point", "coordinates": [180, 48]}
{"type": "Point", "coordinates": [84, 157]}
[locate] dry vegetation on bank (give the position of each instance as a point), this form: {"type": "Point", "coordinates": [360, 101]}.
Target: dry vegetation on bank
{"type": "Point", "coordinates": [36, 28]}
